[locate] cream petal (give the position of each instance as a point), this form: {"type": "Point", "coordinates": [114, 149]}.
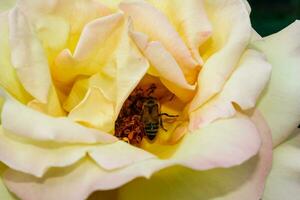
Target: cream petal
{"type": "Point", "coordinates": [205, 149]}
{"type": "Point", "coordinates": [8, 77]}
{"type": "Point", "coordinates": [280, 102]}
{"type": "Point", "coordinates": [96, 46]}
{"type": "Point", "coordinates": [232, 31]}
{"type": "Point", "coordinates": [95, 33]}
{"type": "Point", "coordinates": [145, 19]}
{"type": "Point", "coordinates": [58, 23]}
{"type": "Point", "coordinates": [118, 155]}
{"type": "Point", "coordinates": [95, 110]}
{"type": "Point", "coordinates": [243, 88]}
{"type": "Point", "coordinates": [283, 181]}
{"type": "Point", "coordinates": [28, 57]}
{"type": "Point", "coordinates": [29, 123]}
{"type": "Point", "coordinates": [241, 182]}
{"type": "Point", "coordinates": [131, 67]}
{"type": "Point", "coordinates": [21, 155]}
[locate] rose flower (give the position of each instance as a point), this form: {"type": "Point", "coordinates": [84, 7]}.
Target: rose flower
{"type": "Point", "coordinates": [156, 99]}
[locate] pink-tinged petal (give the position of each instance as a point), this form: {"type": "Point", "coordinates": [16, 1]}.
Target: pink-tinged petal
{"type": "Point", "coordinates": [222, 144]}
{"type": "Point", "coordinates": [153, 23]}
{"type": "Point", "coordinates": [241, 182]}
{"type": "Point", "coordinates": [8, 77]}
{"type": "Point", "coordinates": [283, 181]}
{"type": "Point", "coordinates": [4, 193]}
{"type": "Point", "coordinates": [165, 66]}
{"type": "Point", "coordinates": [28, 123]}
{"type": "Point", "coordinates": [244, 182]}
{"type": "Point", "coordinates": [243, 88]}
{"type": "Point", "coordinates": [28, 57]}
{"type": "Point", "coordinates": [231, 34]}
{"type": "Point", "coordinates": [280, 102]}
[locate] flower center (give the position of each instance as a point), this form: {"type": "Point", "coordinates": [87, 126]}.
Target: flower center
{"type": "Point", "coordinates": [141, 116]}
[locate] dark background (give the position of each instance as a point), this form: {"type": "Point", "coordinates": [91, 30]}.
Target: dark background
{"type": "Point", "coordinates": [270, 16]}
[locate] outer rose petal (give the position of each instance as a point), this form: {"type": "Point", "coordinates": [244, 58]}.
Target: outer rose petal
{"type": "Point", "coordinates": [8, 77]}
{"type": "Point", "coordinates": [244, 182]}
{"type": "Point", "coordinates": [32, 124]}
{"type": "Point", "coordinates": [19, 154]}
{"type": "Point", "coordinates": [58, 23]}
{"type": "Point", "coordinates": [4, 193]}
{"type": "Point", "coordinates": [231, 34]}
{"type": "Point", "coordinates": [28, 57]}
{"type": "Point", "coordinates": [243, 88]}
{"type": "Point", "coordinates": [280, 102]}
{"type": "Point", "coordinates": [202, 150]}
{"type": "Point", "coordinates": [283, 181]}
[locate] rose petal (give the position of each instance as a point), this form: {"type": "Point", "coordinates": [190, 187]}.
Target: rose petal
{"type": "Point", "coordinates": [95, 33]}
{"type": "Point", "coordinates": [280, 102]}
{"type": "Point", "coordinates": [165, 66]}
{"type": "Point", "coordinates": [283, 181]}
{"type": "Point", "coordinates": [53, 106]}
{"type": "Point", "coordinates": [21, 155]}
{"type": "Point", "coordinates": [242, 182]}
{"type": "Point", "coordinates": [190, 20]}
{"type": "Point", "coordinates": [28, 57]}
{"type": "Point", "coordinates": [95, 110]}
{"type": "Point", "coordinates": [95, 47]}
{"type": "Point", "coordinates": [6, 5]}
{"type": "Point", "coordinates": [232, 31]}
{"type": "Point", "coordinates": [28, 123]}
{"type": "Point", "coordinates": [145, 19]}
{"type": "Point", "coordinates": [117, 155]}
{"type": "Point", "coordinates": [222, 144]}
{"type": "Point", "coordinates": [243, 88]}
{"type": "Point", "coordinates": [8, 77]}
{"type": "Point", "coordinates": [4, 193]}
{"type": "Point", "coordinates": [58, 23]}
{"type": "Point", "coordinates": [122, 72]}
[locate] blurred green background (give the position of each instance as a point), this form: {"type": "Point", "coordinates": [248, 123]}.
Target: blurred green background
{"type": "Point", "coordinates": [270, 16]}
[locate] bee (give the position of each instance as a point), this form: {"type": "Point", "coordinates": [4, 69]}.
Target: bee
{"type": "Point", "coordinates": [140, 117]}
{"type": "Point", "coordinates": [152, 117]}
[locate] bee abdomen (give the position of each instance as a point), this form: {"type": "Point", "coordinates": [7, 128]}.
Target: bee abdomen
{"type": "Point", "coordinates": [151, 130]}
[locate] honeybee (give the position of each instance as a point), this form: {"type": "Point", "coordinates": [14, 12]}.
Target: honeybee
{"type": "Point", "coordinates": [140, 116]}
{"type": "Point", "coordinates": [152, 117]}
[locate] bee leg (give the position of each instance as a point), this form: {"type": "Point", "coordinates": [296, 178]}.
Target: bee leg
{"type": "Point", "coordinates": [162, 125]}
{"type": "Point", "coordinates": [166, 114]}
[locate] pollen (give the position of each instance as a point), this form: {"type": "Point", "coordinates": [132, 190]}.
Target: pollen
{"type": "Point", "coordinates": [128, 126]}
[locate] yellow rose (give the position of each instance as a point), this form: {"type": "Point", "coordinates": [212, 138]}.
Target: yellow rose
{"type": "Point", "coordinates": [68, 69]}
